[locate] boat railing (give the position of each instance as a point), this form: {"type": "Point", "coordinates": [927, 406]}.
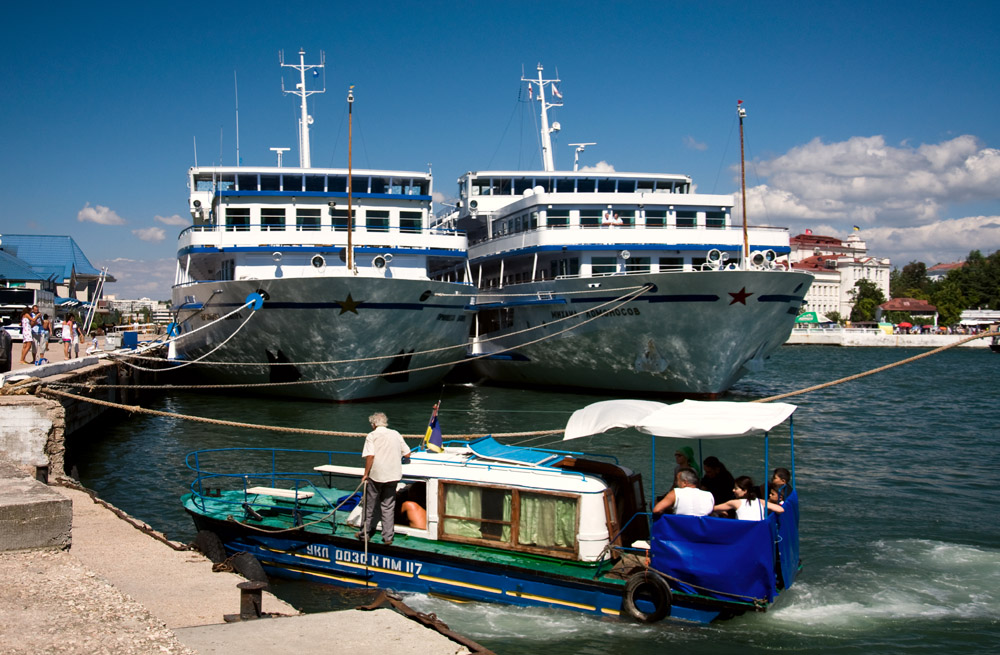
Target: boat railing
{"type": "Point", "coordinates": [317, 229]}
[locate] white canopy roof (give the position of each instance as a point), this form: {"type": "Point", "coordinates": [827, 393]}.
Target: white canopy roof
{"type": "Point", "coordinates": [690, 419]}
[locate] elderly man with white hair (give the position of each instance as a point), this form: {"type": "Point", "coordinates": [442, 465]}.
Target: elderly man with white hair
{"type": "Point", "coordinates": [384, 453]}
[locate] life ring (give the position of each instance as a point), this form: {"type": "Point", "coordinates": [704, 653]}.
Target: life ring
{"type": "Point", "coordinates": [647, 589]}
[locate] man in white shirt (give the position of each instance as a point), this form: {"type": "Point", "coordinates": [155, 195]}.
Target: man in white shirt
{"type": "Point", "coordinates": [383, 452]}
{"type": "Point", "coordinates": [686, 497]}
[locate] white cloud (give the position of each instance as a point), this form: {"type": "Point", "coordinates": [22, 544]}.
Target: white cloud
{"type": "Point", "coordinates": [99, 214]}
{"type": "Point", "coordinates": [176, 219]}
{"type": "Point", "coordinates": [138, 278]}
{"type": "Point", "coordinates": [153, 234]}
{"type": "Point", "coordinates": [600, 167]}
{"type": "Point", "coordinates": [693, 144]}
{"type": "Point", "coordinates": [863, 181]}
{"type": "Point", "coordinates": [935, 243]}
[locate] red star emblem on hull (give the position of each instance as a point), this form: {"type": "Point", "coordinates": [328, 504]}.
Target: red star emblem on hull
{"type": "Point", "coordinates": [740, 296]}
{"type": "Point", "coordinates": [349, 305]}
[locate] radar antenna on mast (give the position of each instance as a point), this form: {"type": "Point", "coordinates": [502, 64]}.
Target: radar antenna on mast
{"type": "Point", "coordinates": [305, 160]}
{"type": "Point", "coordinates": [547, 162]}
{"type": "Point", "coordinates": [580, 147]}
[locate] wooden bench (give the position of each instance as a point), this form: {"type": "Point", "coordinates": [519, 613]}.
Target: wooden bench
{"type": "Point", "coordinates": [280, 493]}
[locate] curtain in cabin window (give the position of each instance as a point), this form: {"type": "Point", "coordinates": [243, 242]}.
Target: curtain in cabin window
{"type": "Point", "coordinates": [547, 521]}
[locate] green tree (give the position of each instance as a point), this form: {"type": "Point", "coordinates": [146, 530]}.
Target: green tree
{"type": "Point", "coordinates": [866, 297]}
{"type": "Point", "coordinates": [835, 317]}
{"type": "Point", "coordinates": [911, 282]}
{"type": "Point", "coordinates": [950, 302]}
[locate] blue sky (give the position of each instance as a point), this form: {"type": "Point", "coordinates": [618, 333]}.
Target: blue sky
{"type": "Point", "coordinates": [877, 114]}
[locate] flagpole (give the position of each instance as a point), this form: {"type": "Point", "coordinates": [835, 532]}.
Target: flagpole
{"type": "Point", "coordinates": [743, 185]}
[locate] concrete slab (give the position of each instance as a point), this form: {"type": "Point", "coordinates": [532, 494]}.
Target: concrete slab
{"type": "Point", "coordinates": [32, 515]}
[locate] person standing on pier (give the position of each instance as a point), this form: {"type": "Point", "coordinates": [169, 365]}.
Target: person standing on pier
{"type": "Point", "coordinates": [384, 453]}
{"type": "Point", "coordinates": [27, 323]}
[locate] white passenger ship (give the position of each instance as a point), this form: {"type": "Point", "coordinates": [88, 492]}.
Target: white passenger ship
{"type": "Point", "coordinates": [344, 263]}
{"type": "Point", "coordinates": [621, 281]}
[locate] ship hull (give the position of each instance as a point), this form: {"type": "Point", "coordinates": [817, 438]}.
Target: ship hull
{"type": "Point", "coordinates": [689, 333]}
{"type": "Point", "coordinates": [342, 338]}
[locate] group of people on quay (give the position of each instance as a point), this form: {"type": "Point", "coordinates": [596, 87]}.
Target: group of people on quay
{"type": "Point", "coordinates": [37, 330]}
{"type": "Point", "coordinates": [717, 493]}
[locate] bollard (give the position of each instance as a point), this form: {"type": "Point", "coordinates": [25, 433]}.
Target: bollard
{"type": "Point", "coordinates": [251, 593]}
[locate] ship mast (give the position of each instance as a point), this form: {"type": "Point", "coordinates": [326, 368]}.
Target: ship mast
{"type": "Point", "coordinates": [305, 160]}
{"type": "Point", "coordinates": [350, 177]}
{"type": "Point", "coordinates": [742, 113]}
{"type": "Point", "coordinates": [547, 161]}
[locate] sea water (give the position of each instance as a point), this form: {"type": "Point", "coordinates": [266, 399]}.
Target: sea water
{"type": "Point", "coordinates": [896, 473]}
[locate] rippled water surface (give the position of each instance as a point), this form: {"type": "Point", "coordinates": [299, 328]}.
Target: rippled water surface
{"type": "Point", "coordinates": [896, 472]}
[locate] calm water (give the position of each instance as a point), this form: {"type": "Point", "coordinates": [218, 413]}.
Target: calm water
{"type": "Point", "coordinates": [896, 472]}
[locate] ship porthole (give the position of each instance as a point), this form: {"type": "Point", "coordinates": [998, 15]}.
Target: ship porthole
{"type": "Point", "coordinates": [318, 261]}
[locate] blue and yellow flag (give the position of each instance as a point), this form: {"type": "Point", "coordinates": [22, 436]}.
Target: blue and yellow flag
{"type": "Point", "coordinates": [857, 229]}
{"type": "Point", "coordinates": [433, 441]}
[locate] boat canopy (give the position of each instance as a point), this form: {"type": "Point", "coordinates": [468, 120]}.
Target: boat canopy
{"type": "Point", "coordinates": [690, 419]}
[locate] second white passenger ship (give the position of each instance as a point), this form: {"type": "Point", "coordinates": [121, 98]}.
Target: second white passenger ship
{"type": "Point", "coordinates": [337, 267]}
{"type": "Point", "coordinates": [624, 281]}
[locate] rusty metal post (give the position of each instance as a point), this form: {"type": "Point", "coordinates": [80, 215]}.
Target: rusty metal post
{"type": "Point", "coordinates": [251, 593]}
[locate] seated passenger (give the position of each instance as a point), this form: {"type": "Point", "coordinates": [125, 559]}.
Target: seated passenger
{"type": "Point", "coordinates": [409, 505]}
{"type": "Point", "coordinates": [748, 507]}
{"type": "Point", "coordinates": [685, 458]}
{"type": "Point", "coordinates": [686, 498]}
{"type": "Point", "coordinates": [717, 480]}
{"type": "Point", "coordinates": [414, 514]}
{"type": "Point", "coordinates": [781, 479]}
{"type": "Point", "coordinates": [775, 494]}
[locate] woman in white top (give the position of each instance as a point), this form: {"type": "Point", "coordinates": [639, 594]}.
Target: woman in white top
{"type": "Point", "coordinates": [748, 507]}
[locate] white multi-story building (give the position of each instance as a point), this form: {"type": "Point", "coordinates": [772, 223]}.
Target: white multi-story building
{"type": "Point", "coordinates": [837, 266]}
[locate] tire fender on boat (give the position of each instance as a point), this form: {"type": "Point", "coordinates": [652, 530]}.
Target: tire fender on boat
{"type": "Point", "coordinates": [249, 567]}
{"type": "Point", "coordinates": [210, 546]}
{"type": "Point", "coordinates": [650, 589]}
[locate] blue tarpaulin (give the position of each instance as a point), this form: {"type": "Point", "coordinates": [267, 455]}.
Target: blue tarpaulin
{"type": "Point", "coordinates": [723, 558]}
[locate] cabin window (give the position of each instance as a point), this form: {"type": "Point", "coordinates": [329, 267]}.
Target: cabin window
{"type": "Point", "coordinates": [378, 185]}
{"type": "Point", "coordinates": [292, 183]}
{"type": "Point", "coordinates": [557, 218]}
{"type": "Point", "coordinates": [337, 184]}
{"type": "Point", "coordinates": [396, 186]}
{"type": "Point", "coordinates": [307, 220]}
{"type": "Point", "coordinates": [715, 220]}
{"type": "Point", "coordinates": [509, 518]}
{"type": "Point", "coordinates": [419, 188]}
{"type": "Point", "coordinates": [482, 187]}
{"type": "Point", "coordinates": [315, 183]}
{"type": "Point", "coordinates": [359, 185]}
{"type": "Point", "coordinates": [627, 216]}
{"type": "Point", "coordinates": [227, 270]}
{"type": "Point", "coordinates": [545, 183]}
{"type": "Point", "coordinates": [377, 220]}
{"type": "Point", "coordinates": [687, 219]}
{"type": "Point", "coordinates": [339, 219]}
{"type": "Point", "coordinates": [247, 182]}
{"type": "Point", "coordinates": [645, 186]}
{"type": "Point", "coordinates": [671, 263]}
{"type": "Point", "coordinates": [569, 266]}
{"type": "Point", "coordinates": [656, 218]}
{"type": "Point", "coordinates": [238, 219]}
{"type": "Point", "coordinates": [637, 265]}
{"type": "Point", "coordinates": [698, 262]}
{"type": "Point", "coordinates": [606, 186]}
{"type": "Point", "coordinates": [410, 221]}
{"type": "Point", "coordinates": [603, 265]}
{"type": "Point", "coordinates": [533, 223]}
{"type": "Point", "coordinates": [590, 217]}
{"type": "Point", "coordinates": [272, 219]}
{"type": "Point", "coordinates": [270, 183]}
{"type": "Point", "coordinates": [565, 185]}
{"type": "Point", "coordinates": [585, 185]}
{"type": "Point", "coordinates": [204, 184]}
{"type": "Point", "coordinates": [626, 186]}
{"type": "Point", "coordinates": [521, 185]}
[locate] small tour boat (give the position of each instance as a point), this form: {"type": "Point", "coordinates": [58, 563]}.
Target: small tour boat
{"type": "Point", "coordinates": [507, 524]}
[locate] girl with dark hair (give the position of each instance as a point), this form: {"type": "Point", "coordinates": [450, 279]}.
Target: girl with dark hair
{"type": "Point", "coordinates": [748, 507]}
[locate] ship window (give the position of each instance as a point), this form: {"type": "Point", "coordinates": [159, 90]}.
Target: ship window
{"type": "Point", "coordinates": [270, 183]}
{"type": "Point", "coordinates": [534, 221]}
{"type": "Point", "coordinates": [603, 265]}
{"type": "Point", "coordinates": [557, 218]}
{"type": "Point", "coordinates": [585, 185]}
{"type": "Point", "coordinates": [664, 187]}
{"type": "Point", "coordinates": [204, 184]}
{"type": "Point", "coordinates": [378, 185]}
{"type": "Point", "coordinates": [419, 188]}
{"type": "Point", "coordinates": [339, 219]}
{"type": "Point", "coordinates": [227, 270]}
{"type": "Point", "coordinates": [644, 186]}
{"type": "Point", "coordinates": [307, 220]}
{"type": "Point", "coordinates": [396, 186]}
{"type": "Point", "coordinates": [697, 262]}
{"type": "Point", "coordinates": [606, 186]}
{"type": "Point", "coordinates": [410, 221]}
{"type": "Point", "coordinates": [545, 183]}
{"type": "Point", "coordinates": [590, 217]}
{"type": "Point", "coordinates": [377, 220]}
{"type": "Point", "coordinates": [671, 263]}
{"type": "Point", "coordinates": [656, 218]}
{"type": "Point", "coordinates": [521, 185]}
{"type": "Point", "coordinates": [502, 186]}
{"type": "Point", "coordinates": [637, 265]}
{"type": "Point", "coordinates": [626, 186]}
{"type": "Point", "coordinates": [337, 184]}
{"type": "Point", "coordinates": [565, 185]}
{"type": "Point", "coordinates": [359, 185]}
{"type": "Point", "coordinates": [687, 219]}
{"type": "Point", "coordinates": [292, 183]}
{"type": "Point", "coordinates": [569, 266]}
{"type": "Point", "coordinates": [315, 183]}
{"type": "Point", "coordinates": [272, 219]}
{"type": "Point", "coordinates": [227, 182]}
{"type": "Point", "coordinates": [715, 220]}
{"type": "Point", "coordinates": [509, 518]}
{"type": "Point", "coordinates": [247, 182]}
{"type": "Point", "coordinates": [627, 216]}
{"type": "Point", "coordinates": [237, 218]}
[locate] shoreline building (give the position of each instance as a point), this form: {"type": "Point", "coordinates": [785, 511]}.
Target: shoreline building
{"type": "Point", "coordinates": [837, 266]}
